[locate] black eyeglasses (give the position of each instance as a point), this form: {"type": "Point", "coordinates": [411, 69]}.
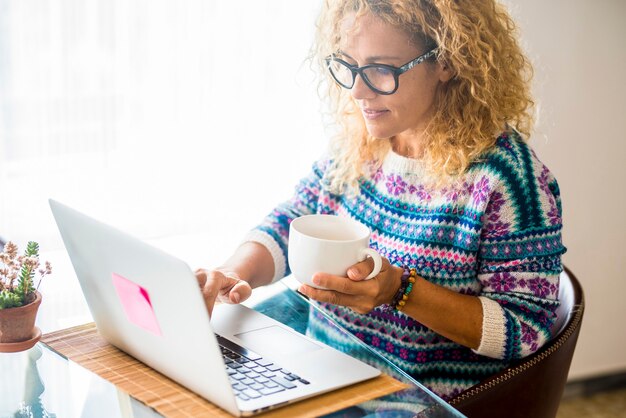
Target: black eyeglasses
{"type": "Point", "coordinates": [381, 78]}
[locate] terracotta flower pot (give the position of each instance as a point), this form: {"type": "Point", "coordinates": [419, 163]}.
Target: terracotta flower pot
{"type": "Point", "coordinates": [18, 324]}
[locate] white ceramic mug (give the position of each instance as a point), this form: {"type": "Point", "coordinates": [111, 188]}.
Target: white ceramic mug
{"type": "Point", "coordinates": [328, 244]}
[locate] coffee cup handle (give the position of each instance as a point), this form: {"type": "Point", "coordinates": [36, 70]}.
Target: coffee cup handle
{"type": "Point", "coordinates": [378, 261]}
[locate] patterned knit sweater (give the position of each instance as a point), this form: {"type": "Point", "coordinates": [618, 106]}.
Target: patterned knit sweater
{"type": "Point", "coordinates": [495, 234]}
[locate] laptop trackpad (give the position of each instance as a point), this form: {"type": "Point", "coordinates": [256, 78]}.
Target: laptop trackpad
{"type": "Point", "coordinates": [275, 340]}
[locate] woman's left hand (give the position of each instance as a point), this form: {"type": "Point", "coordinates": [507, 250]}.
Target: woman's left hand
{"type": "Point", "coordinates": [354, 292]}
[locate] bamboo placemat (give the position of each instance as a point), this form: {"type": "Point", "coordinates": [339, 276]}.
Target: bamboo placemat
{"type": "Point", "coordinates": [83, 345]}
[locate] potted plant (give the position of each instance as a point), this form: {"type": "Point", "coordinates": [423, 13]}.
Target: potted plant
{"type": "Point", "coordinates": [19, 297]}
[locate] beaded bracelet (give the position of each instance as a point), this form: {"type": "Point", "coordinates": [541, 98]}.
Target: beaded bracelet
{"type": "Point", "coordinates": [407, 282]}
{"type": "Point", "coordinates": [409, 287]}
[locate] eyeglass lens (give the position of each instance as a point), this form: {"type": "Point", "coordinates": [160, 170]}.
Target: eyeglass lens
{"type": "Point", "coordinates": [380, 78]}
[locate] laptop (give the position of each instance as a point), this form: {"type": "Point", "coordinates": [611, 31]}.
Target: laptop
{"type": "Point", "coordinates": [148, 304]}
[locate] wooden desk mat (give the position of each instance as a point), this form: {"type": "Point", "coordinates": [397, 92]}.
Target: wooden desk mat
{"type": "Point", "coordinates": [83, 345]}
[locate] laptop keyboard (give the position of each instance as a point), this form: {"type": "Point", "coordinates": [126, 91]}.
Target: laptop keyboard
{"type": "Point", "coordinates": [252, 376]}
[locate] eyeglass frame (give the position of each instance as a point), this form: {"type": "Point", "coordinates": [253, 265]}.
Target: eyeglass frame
{"type": "Point", "coordinates": [396, 71]}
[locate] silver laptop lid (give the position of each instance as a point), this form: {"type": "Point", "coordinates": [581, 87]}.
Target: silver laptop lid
{"type": "Point", "coordinates": [147, 304]}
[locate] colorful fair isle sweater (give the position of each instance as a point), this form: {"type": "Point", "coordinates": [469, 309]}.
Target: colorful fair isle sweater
{"type": "Point", "coordinates": [495, 234]}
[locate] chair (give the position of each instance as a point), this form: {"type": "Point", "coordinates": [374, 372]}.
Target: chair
{"type": "Point", "coordinates": [532, 386]}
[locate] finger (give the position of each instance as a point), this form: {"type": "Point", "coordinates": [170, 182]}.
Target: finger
{"type": "Point", "coordinates": [356, 303]}
{"type": "Point", "coordinates": [361, 270]}
{"type": "Point", "coordinates": [328, 296]}
{"type": "Point", "coordinates": [240, 292]}
{"type": "Point", "coordinates": [336, 283]}
{"type": "Point", "coordinates": [201, 277]}
{"type": "Point", "coordinates": [209, 289]}
{"type": "Point", "coordinates": [233, 289]}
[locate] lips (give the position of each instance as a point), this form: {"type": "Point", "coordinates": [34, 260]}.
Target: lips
{"type": "Point", "coordinates": [372, 114]}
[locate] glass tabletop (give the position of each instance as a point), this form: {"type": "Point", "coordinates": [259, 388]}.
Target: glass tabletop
{"type": "Point", "coordinates": [41, 383]}
{"type": "Point", "coordinates": [295, 310]}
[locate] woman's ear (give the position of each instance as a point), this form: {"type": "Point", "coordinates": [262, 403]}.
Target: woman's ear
{"type": "Point", "coordinates": [445, 72]}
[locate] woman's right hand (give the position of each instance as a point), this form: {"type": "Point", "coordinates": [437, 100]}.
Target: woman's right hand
{"type": "Point", "coordinates": [226, 287]}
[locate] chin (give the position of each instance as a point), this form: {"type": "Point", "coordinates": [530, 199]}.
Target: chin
{"type": "Point", "coordinates": [378, 133]}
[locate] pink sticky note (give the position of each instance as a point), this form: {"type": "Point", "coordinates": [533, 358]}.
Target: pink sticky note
{"type": "Point", "coordinates": [136, 302]}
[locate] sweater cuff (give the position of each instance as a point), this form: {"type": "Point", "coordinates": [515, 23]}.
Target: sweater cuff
{"type": "Point", "coordinates": [493, 339]}
{"type": "Point", "coordinates": [280, 265]}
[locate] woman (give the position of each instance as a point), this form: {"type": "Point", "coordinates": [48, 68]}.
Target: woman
{"type": "Point", "coordinates": [432, 97]}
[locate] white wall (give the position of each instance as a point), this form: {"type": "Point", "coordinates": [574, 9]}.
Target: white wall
{"type": "Point", "coordinates": [578, 48]}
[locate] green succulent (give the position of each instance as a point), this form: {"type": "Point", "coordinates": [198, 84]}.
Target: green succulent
{"type": "Point", "coordinates": [17, 275]}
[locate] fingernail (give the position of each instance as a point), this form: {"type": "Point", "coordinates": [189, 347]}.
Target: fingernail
{"type": "Point", "coordinates": [236, 297]}
{"type": "Point", "coordinates": [315, 280]}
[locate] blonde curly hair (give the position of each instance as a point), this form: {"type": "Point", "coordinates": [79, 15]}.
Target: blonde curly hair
{"type": "Point", "coordinates": [488, 94]}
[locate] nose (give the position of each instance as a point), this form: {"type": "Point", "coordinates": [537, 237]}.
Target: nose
{"type": "Point", "coordinates": [360, 90]}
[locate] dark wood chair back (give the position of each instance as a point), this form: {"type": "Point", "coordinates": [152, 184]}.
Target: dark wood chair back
{"type": "Point", "coordinates": [532, 386]}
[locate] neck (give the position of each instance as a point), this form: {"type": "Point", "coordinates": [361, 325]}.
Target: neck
{"type": "Point", "coordinates": [407, 147]}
